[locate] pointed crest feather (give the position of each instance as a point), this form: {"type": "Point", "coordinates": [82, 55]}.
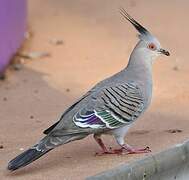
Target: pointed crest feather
{"type": "Point", "coordinates": [138, 27]}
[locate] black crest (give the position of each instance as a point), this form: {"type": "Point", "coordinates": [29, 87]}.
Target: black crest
{"type": "Point", "coordinates": [138, 27]}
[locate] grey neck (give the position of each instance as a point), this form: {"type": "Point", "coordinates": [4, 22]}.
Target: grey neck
{"type": "Point", "coordinates": [140, 66]}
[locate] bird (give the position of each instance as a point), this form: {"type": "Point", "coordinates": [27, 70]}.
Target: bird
{"type": "Point", "coordinates": [110, 107]}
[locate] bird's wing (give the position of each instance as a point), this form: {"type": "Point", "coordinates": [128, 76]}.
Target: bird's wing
{"type": "Point", "coordinates": [115, 106]}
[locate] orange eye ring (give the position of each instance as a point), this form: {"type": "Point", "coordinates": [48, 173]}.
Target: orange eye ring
{"type": "Point", "coordinates": [152, 46]}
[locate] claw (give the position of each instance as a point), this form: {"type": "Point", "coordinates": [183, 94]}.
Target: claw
{"type": "Point", "coordinates": [110, 151]}
{"type": "Point", "coordinates": [103, 153]}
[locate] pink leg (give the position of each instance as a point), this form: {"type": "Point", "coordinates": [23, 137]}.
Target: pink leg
{"type": "Point", "coordinates": [101, 144]}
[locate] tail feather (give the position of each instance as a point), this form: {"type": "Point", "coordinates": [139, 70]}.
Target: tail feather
{"type": "Point", "coordinates": [26, 158]}
{"type": "Point", "coordinates": [42, 147]}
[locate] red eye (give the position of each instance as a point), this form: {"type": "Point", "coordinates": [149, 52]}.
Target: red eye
{"type": "Point", "coordinates": [152, 46]}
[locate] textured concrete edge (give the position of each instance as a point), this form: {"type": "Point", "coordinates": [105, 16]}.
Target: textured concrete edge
{"type": "Point", "coordinates": [151, 166]}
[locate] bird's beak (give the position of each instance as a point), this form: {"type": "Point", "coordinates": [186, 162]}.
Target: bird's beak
{"type": "Point", "coordinates": [165, 52]}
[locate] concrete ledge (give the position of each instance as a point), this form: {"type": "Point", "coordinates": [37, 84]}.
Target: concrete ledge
{"type": "Point", "coordinates": [170, 164]}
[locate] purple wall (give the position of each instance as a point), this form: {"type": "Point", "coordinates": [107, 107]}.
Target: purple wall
{"type": "Point", "coordinates": [12, 28]}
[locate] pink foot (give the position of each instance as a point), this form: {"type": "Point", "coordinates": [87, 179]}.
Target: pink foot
{"type": "Point", "coordinates": [125, 148]}
{"type": "Point", "coordinates": [131, 150]}
{"type": "Point", "coordinates": [139, 151]}
{"type": "Point", "coordinates": [104, 153]}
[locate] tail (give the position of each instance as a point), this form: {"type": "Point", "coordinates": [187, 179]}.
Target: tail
{"type": "Point", "coordinates": [47, 144]}
{"type": "Point", "coordinates": [26, 158]}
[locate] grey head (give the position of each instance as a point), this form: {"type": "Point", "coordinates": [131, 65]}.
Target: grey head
{"type": "Point", "coordinates": [148, 45]}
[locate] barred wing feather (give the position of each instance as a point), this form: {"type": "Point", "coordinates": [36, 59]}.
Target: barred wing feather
{"type": "Point", "coordinates": [122, 104]}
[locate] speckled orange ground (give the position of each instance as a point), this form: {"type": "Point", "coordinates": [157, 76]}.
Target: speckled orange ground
{"type": "Point", "coordinates": [97, 43]}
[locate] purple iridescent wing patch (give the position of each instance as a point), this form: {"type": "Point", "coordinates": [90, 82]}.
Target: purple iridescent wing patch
{"type": "Point", "coordinates": [97, 119]}
{"type": "Point", "coordinates": [88, 120]}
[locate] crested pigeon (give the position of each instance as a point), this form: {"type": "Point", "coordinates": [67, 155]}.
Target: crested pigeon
{"type": "Point", "coordinates": [110, 107]}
